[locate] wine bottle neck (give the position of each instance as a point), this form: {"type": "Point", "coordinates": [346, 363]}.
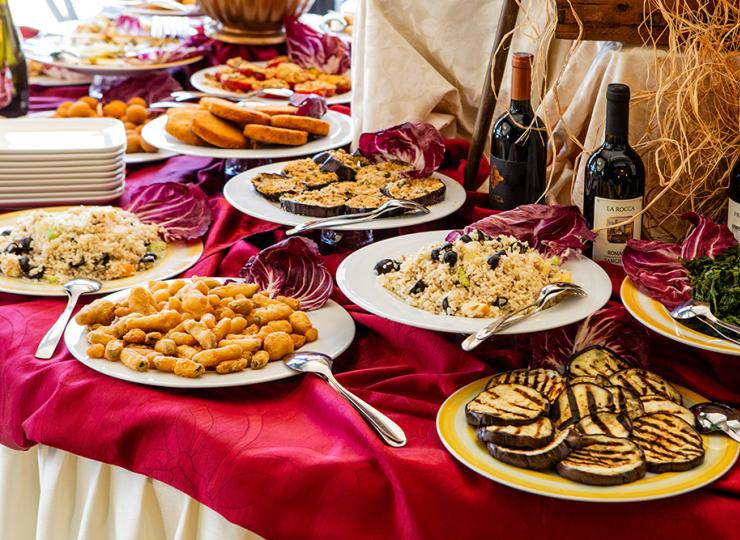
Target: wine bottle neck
{"type": "Point", "coordinates": [617, 123]}
{"type": "Point", "coordinates": [520, 106]}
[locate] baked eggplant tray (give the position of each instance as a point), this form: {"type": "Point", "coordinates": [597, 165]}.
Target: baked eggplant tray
{"type": "Point", "coordinates": [334, 183]}
{"type": "Point", "coordinates": [603, 431]}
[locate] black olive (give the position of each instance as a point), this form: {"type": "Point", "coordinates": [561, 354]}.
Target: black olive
{"type": "Point", "coordinates": [6, 232]}
{"type": "Point", "coordinates": [418, 287]}
{"type": "Point", "coordinates": [105, 259]}
{"type": "Point", "coordinates": [78, 263]}
{"type": "Point", "coordinates": [12, 248]}
{"type": "Point", "coordinates": [386, 266]}
{"type": "Point", "coordinates": [436, 252]}
{"type": "Point", "coordinates": [24, 244]}
{"type": "Point", "coordinates": [450, 257]}
{"type": "Point", "coordinates": [465, 238]}
{"type": "Point", "coordinates": [518, 247]}
{"type": "Point", "coordinates": [148, 257]}
{"type": "Point", "coordinates": [500, 301]}
{"type": "Point", "coordinates": [482, 237]}
{"type": "Point", "coordinates": [493, 260]}
{"type": "Point", "coordinates": [37, 273]}
{"type": "Point", "coordinates": [25, 264]}
{"type": "Point", "coordinates": [445, 305]}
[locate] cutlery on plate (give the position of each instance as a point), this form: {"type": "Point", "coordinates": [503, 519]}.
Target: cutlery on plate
{"type": "Point", "coordinates": [170, 27]}
{"type": "Point", "coordinates": [348, 219]}
{"type": "Point", "coordinates": [168, 104]}
{"type": "Point", "coordinates": [333, 22]}
{"type": "Point", "coordinates": [702, 311]}
{"type": "Point", "coordinates": [273, 93]}
{"type": "Point", "coordinates": [548, 294]}
{"type": "Point", "coordinates": [712, 417]}
{"type": "Point", "coordinates": [171, 5]}
{"type": "Point", "coordinates": [320, 365]}
{"type": "Point", "coordinates": [74, 289]}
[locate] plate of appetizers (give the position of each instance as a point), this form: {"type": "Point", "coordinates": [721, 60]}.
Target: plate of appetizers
{"type": "Point", "coordinates": [334, 183]}
{"type": "Point", "coordinates": [40, 249]}
{"type": "Point", "coordinates": [451, 282]}
{"type": "Point", "coordinates": [603, 432]}
{"type": "Point", "coordinates": [238, 76]}
{"type": "Point", "coordinates": [255, 135]}
{"type": "Point", "coordinates": [189, 343]}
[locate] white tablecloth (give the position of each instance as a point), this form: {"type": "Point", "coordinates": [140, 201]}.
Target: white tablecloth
{"type": "Point", "coordinates": [49, 494]}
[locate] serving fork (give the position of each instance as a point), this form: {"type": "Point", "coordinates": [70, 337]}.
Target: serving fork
{"type": "Point", "coordinates": [548, 294]}
{"type": "Point", "coordinates": [349, 219]}
{"type": "Point", "coordinates": [272, 93]}
{"type": "Point", "coordinates": [702, 311]}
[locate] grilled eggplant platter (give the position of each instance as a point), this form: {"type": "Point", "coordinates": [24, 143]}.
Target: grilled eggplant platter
{"type": "Point", "coordinates": [336, 182]}
{"type": "Point", "coordinates": [602, 423]}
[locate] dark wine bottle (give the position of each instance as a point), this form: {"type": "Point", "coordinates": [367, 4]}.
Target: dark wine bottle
{"type": "Point", "coordinates": [518, 145]}
{"type": "Point", "coordinates": [733, 212]}
{"type": "Point", "coordinates": [13, 69]}
{"type": "Point", "coordinates": [615, 182]}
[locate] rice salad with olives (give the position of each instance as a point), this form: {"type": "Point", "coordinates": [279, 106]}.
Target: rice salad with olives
{"type": "Point", "coordinates": [473, 276]}
{"type": "Point", "coordinates": [100, 242]}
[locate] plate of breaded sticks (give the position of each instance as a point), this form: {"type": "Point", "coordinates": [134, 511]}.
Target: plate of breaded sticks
{"type": "Point", "coordinates": [223, 129]}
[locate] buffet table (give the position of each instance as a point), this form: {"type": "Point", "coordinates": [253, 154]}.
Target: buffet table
{"type": "Point", "coordinates": [291, 459]}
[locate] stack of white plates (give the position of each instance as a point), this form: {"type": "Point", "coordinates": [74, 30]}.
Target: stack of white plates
{"type": "Point", "coordinates": [62, 161]}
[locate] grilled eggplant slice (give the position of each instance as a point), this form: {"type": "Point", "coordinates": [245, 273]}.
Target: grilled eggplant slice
{"type": "Point", "coordinates": [366, 203]}
{"type": "Point", "coordinates": [535, 435]}
{"type": "Point", "coordinates": [669, 443]}
{"type": "Point", "coordinates": [605, 423]}
{"type": "Point", "coordinates": [537, 458]}
{"type": "Point", "coordinates": [512, 404]}
{"type": "Point", "coordinates": [548, 382]}
{"type": "Point", "coordinates": [426, 191]}
{"type": "Point", "coordinates": [626, 402]}
{"type": "Point", "coordinates": [581, 400]}
{"type": "Point", "coordinates": [598, 380]}
{"type": "Point", "coordinates": [273, 186]}
{"type": "Point", "coordinates": [313, 204]}
{"type": "Point", "coordinates": [596, 361]}
{"type": "Point", "coordinates": [655, 404]}
{"type": "Point", "coordinates": [646, 383]}
{"type": "Point", "coordinates": [604, 461]}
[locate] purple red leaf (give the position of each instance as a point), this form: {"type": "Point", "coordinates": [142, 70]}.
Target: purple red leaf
{"type": "Point", "coordinates": [309, 105]}
{"type": "Point", "coordinates": [419, 145]}
{"type": "Point", "coordinates": [310, 48]}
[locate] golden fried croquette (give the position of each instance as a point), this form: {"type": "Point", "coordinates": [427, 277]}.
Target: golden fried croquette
{"type": "Point", "coordinates": [315, 126]}
{"type": "Point", "coordinates": [179, 125]}
{"type": "Point", "coordinates": [217, 132]}
{"type": "Point", "coordinates": [234, 113]}
{"type": "Point", "coordinates": [275, 135]}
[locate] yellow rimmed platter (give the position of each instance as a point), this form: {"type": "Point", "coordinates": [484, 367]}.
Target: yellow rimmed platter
{"type": "Point", "coordinates": [178, 257]}
{"type": "Point", "coordinates": [459, 439]}
{"type": "Point", "coordinates": [656, 317]}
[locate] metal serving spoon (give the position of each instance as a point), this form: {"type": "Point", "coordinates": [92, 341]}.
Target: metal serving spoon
{"type": "Point", "coordinates": [320, 364]}
{"type": "Point", "coordinates": [695, 308]}
{"type": "Point", "coordinates": [272, 93]}
{"type": "Point", "coordinates": [548, 294]}
{"type": "Point", "coordinates": [74, 289]}
{"type": "Point", "coordinates": [711, 417]}
{"type": "Point", "coordinates": [346, 219]}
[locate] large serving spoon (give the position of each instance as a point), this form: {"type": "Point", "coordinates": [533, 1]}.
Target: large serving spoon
{"type": "Point", "coordinates": [712, 417]}
{"type": "Point", "coordinates": [74, 289]}
{"type": "Point", "coordinates": [361, 217]}
{"type": "Point", "coordinates": [701, 310]}
{"type": "Point", "coordinates": [548, 293]}
{"type": "Point", "coordinates": [271, 93]}
{"type": "Point", "coordinates": [320, 364]}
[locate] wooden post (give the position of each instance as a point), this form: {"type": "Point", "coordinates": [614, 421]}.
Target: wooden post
{"type": "Point", "coordinates": [509, 13]}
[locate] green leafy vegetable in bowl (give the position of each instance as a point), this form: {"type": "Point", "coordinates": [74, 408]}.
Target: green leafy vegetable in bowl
{"type": "Point", "coordinates": [716, 281]}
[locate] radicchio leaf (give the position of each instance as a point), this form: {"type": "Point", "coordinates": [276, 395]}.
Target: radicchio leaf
{"type": "Point", "coordinates": [150, 87]}
{"type": "Point", "coordinates": [196, 45]}
{"type": "Point", "coordinates": [181, 210]}
{"type": "Point", "coordinates": [291, 268]}
{"type": "Point", "coordinates": [129, 25]}
{"type": "Point", "coordinates": [309, 105]}
{"type": "Point", "coordinates": [707, 239]}
{"type": "Point", "coordinates": [550, 229]}
{"type": "Point", "coordinates": [611, 327]}
{"type": "Point", "coordinates": [420, 145]}
{"type": "Point", "coordinates": [655, 267]}
{"type": "Point", "coordinates": [310, 48]}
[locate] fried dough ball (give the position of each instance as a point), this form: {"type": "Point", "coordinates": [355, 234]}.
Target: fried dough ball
{"type": "Point", "coordinates": [63, 109]}
{"type": "Point", "coordinates": [148, 148]}
{"type": "Point", "coordinates": [137, 114]}
{"type": "Point", "coordinates": [114, 109]}
{"type": "Point", "coordinates": [133, 142]}
{"type": "Point", "coordinates": [129, 126]}
{"type": "Point", "coordinates": [81, 109]}
{"type": "Point", "coordinates": [136, 101]}
{"type": "Point", "coordinates": [91, 101]}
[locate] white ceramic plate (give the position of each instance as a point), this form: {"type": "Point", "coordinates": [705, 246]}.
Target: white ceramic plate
{"type": "Point", "coordinates": [62, 198]}
{"type": "Point", "coordinates": [179, 257]}
{"type": "Point", "coordinates": [200, 81]}
{"type": "Point", "coordinates": [62, 188]}
{"type": "Point", "coordinates": [336, 332]}
{"type": "Point", "coordinates": [61, 160]}
{"type": "Point", "coordinates": [147, 157]}
{"type": "Point", "coordinates": [240, 193]}
{"type": "Point", "coordinates": [49, 81]}
{"type": "Point", "coordinates": [63, 175]}
{"type": "Point", "coordinates": [104, 166]}
{"type": "Point", "coordinates": [459, 438]}
{"type": "Point", "coordinates": [339, 135]}
{"type": "Point", "coordinates": [357, 279]}
{"type": "Point", "coordinates": [96, 137]}
{"type": "Point", "coordinates": [655, 316]}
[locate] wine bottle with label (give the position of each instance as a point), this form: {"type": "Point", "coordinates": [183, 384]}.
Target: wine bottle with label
{"type": "Point", "coordinates": [518, 145]}
{"type": "Point", "coordinates": [733, 212]}
{"type": "Point", "coordinates": [13, 69]}
{"type": "Point", "coordinates": [615, 183]}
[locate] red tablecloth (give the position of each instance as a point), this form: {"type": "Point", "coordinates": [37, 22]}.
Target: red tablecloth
{"type": "Point", "coordinates": [291, 459]}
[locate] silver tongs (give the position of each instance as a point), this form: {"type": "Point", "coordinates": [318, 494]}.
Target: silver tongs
{"type": "Point", "coordinates": [701, 310]}
{"type": "Point", "coordinates": [548, 294]}
{"type": "Point", "coordinates": [350, 219]}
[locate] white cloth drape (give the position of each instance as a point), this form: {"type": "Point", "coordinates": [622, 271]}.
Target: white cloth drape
{"type": "Point", "coordinates": [49, 494]}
